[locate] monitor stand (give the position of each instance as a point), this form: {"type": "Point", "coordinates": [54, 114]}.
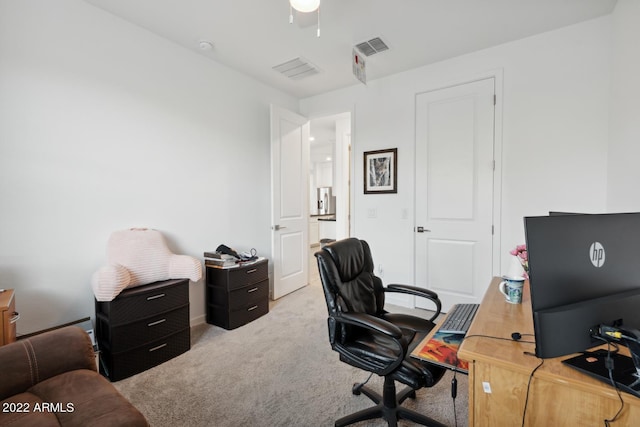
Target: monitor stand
{"type": "Point", "coordinates": [593, 364]}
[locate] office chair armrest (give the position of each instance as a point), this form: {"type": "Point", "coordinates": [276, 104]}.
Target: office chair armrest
{"type": "Point", "coordinates": [370, 322]}
{"type": "Point", "coordinates": [419, 292]}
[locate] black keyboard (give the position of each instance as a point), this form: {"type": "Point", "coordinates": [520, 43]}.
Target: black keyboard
{"type": "Point", "coordinates": [459, 319]}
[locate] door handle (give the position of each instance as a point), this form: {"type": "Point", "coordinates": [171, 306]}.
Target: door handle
{"type": "Point", "coordinates": [422, 230]}
{"type": "Point", "coordinates": [277, 227]}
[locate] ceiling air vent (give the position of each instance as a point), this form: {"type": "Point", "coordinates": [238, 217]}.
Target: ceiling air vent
{"type": "Point", "coordinates": [372, 46]}
{"type": "Point", "coordinates": [297, 69]}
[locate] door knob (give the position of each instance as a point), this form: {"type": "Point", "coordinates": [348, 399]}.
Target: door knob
{"type": "Point", "coordinates": [277, 227]}
{"type": "Point", "coordinates": [422, 230]}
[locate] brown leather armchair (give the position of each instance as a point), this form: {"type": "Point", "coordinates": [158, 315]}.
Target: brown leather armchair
{"type": "Point", "coordinates": [366, 336]}
{"type": "Point", "coordinates": [51, 380]}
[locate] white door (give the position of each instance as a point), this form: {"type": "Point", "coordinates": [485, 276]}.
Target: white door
{"type": "Point", "coordinates": [454, 191]}
{"type": "Point", "coordinates": [289, 201]}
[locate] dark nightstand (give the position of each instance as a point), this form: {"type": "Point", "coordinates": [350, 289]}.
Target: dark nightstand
{"type": "Point", "coordinates": [237, 295]}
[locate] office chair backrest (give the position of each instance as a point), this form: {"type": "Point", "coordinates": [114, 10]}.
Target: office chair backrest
{"type": "Point", "coordinates": [346, 271]}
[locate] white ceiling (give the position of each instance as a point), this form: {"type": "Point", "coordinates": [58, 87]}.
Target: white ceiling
{"type": "Point", "coordinates": [252, 36]}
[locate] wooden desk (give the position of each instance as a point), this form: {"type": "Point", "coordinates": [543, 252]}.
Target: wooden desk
{"type": "Point", "coordinates": [558, 396]}
{"type": "Point", "coordinates": [8, 317]}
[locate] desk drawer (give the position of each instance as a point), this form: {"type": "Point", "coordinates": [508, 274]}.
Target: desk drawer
{"type": "Point", "coordinates": [8, 318]}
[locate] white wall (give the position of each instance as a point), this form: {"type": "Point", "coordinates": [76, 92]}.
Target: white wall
{"type": "Point", "coordinates": [341, 173]}
{"type": "Point", "coordinates": [105, 126]}
{"type": "Point", "coordinates": [554, 134]}
{"type": "Point", "coordinates": [624, 144]}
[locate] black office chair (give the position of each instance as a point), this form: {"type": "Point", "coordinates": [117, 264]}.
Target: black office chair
{"type": "Point", "coordinates": [368, 337]}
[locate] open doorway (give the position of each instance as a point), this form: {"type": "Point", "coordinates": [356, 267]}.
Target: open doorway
{"type": "Point", "coordinates": [329, 178]}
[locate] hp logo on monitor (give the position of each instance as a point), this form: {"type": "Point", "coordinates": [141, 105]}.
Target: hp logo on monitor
{"type": "Point", "coordinates": [596, 253]}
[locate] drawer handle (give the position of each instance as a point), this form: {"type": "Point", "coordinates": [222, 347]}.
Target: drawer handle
{"type": "Point", "coordinates": [155, 297]}
{"type": "Point", "coordinates": [252, 308]}
{"type": "Point", "coordinates": [157, 322]}
{"type": "Point", "coordinates": [15, 317]}
{"type": "Point", "coordinates": [157, 348]}
{"type": "Point", "coordinates": [253, 270]}
{"type": "Point", "coordinates": [252, 290]}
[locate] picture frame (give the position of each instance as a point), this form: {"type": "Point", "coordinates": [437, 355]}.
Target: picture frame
{"type": "Point", "coordinates": [381, 171]}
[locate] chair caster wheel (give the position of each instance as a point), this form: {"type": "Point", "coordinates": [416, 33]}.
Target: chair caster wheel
{"type": "Point", "coordinates": [412, 395]}
{"type": "Point", "coordinates": [356, 389]}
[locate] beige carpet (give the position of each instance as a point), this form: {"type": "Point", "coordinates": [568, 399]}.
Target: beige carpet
{"type": "Point", "coordinates": [276, 371]}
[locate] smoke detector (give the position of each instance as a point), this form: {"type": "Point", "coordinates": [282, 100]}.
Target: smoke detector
{"type": "Point", "coordinates": [205, 45]}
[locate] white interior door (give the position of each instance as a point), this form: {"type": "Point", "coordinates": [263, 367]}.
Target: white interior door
{"type": "Point", "coordinates": [289, 201]}
{"type": "Point", "coordinates": [454, 191]}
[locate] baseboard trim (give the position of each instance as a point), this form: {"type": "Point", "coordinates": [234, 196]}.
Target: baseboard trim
{"type": "Point", "coordinates": [198, 320]}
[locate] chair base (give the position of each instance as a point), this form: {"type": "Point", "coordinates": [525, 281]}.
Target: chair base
{"type": "Point", "coordinates": [387, 407]}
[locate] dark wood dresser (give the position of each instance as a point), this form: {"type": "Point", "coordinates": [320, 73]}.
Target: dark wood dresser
{"type": "Point", "coordinates": [237, 295]}
{"type": "Point", "coordinates": [143, 327]}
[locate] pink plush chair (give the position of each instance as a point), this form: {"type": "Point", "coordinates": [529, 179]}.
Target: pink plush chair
{"type": "Point", "coordinates": [139, 256]}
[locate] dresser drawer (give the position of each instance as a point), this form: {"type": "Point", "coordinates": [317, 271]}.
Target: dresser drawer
{"type": "Point", "coordinates": [237, 298]}
{"type": "Point", "coordinates": [124, 337]}
{"type": "Point", "coordinates": [247, 314]}
{"type": "Point", "coordinates": [236, 318]}
{"type": "Point", "coordinates": [117, 366]}
{"type": "Point", "coordinates": [145, 301]}
{"type": "Point", "coordinates": [248, 275]}
{"type": "Point", "coordinates": [249, 295]}
{"type": "Point", "coordinates": [238, 277]}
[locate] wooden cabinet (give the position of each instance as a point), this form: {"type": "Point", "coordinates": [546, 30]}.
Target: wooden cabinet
{"type": "Point", "coordinates": [505, 377]}
{"type": "Point", "coordinates": [8, 317]}
{"type": "Point", "coordinates": [314, 231]}
{"type": "Point", "coordinates": [143, 327]}
{"type": "Point", "coordinates": [237, 295]}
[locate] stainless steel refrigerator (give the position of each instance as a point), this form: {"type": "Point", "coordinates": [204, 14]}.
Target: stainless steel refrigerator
{"type": "Point", "coordinates": [326, 201]}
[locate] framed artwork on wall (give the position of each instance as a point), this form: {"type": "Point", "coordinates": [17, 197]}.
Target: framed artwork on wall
{"type": "Point", "coordinates": [381, 171]}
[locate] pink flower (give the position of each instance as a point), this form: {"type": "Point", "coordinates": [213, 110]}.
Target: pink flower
{"type": "Point", "coordinates": [521, 253]}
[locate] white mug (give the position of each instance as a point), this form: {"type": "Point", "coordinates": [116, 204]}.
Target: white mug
{"type": "Point", "coordinates": [511, 288]}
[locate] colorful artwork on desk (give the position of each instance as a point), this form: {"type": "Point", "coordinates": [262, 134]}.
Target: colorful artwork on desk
{"type": "Point", "coordinates": [443, 350]}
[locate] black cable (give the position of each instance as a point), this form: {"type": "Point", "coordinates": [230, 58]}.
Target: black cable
{"type": "Point", "coordinates": [454, 388]}
{"type": "Point", "coordinates": [610, 367]}
{"type": "Point", "coordinates": [526, 399]}
{"type": "Point", "coordinates": [367, 380]}
{"type": "Point", "coordinates": [498, 338]}
{"type": "Point", "coordinates": [358, 387]}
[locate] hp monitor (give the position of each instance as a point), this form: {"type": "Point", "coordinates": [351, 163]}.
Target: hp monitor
{"type": "Point", "coordinates": [583, 272]}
